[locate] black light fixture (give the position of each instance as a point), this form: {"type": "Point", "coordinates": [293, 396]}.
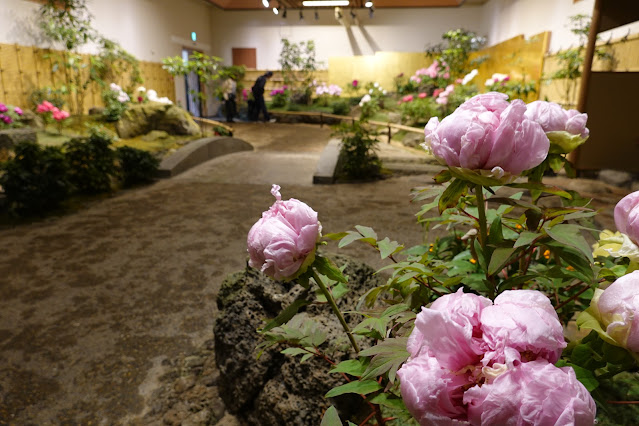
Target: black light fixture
{"type": "Point", "coordinates": [284, 13]}
{"type": "Point", "coordinates": [316, 15]}
{"type": "Point", "coordinates": [371, 10]}
{"type": "Point", "coordinates": [301, 15]}
{"type": "Point", "coordinates": [353, 14]}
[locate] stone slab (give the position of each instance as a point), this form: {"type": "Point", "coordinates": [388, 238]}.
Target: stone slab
{"type": "Point", "coordinates": [325, 171]}
{"type": "Point", "coordinates": [199, 151]}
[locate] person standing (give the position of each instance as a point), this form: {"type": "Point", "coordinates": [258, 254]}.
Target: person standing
{"type": "Point", "coordinates": [229, 89]}
{"type": "Point", "coordinates": [258, 95]}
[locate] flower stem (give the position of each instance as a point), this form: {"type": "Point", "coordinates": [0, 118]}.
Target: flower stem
{"type": "Point", "coordinates": [481, 209]}
{"type": "Point", "coordinates": [340, 317]}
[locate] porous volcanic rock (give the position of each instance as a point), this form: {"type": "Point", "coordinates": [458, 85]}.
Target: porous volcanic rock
{"type": "Point", "coordinates": [11, 137]}
{"type": "Point", "coordinates": [277, 389]}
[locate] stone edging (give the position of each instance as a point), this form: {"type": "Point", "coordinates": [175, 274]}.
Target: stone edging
{"type": "Point", "coordinates": [325, 171]}
{"type": "Point", "coordinates": [199, 151]}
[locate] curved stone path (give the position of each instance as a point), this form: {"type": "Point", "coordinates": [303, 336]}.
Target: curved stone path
{"type": "Point", "coordinates": [93, 303]}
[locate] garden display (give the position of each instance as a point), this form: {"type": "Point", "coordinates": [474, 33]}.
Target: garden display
{"type": "Point", "coordinates": [470, 328]}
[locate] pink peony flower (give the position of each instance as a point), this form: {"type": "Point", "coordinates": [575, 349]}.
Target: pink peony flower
{"type": "Point", "coordinates": [407, 98]}
{"type": "Point", "coordinates": [618, 310]}
{"type": "Point", "coordinates": [422, 95]}
{"type": "Point", "coordinates": [566, 129]}
{"type": "Point", "coordinates": [282, 243]}
{"type": "Point", "coordinates": [534, 393]}
{"type": "Point", "coordinates": [432, 394]}
{"type": "Point", "coordinates": [437, 91]}
{"type": "Point", "coordinates": [521, 326]}
{"type": "Point", "coordinates": [6, 119]}
{"type": "Point", "coordinates": [355, 83]}
{"type": "Point", "coordinates": [627, 216]}
{"type": "Point", "coordinates": [415, 79]}
{"type": "Point", "coordinates": [3, 108]}
{"type": "Point", "coordinates": [18, 110]}
{"type": "Point", "coordinates": [482, 135]}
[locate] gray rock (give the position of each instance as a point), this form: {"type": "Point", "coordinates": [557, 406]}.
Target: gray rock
{"type": "Point", "coordinates": [413, 139]}
{"type": "Point", "coordinates": [96, 110]}
{"type": "Point", "coordinates": [278, 389]}
{"type": "Point", "coordinates": [615, 177]}
{"type": "Point", "coordinates": [140, 119]}
{"type": "Point", "coordinates": [11, 137]}
{"type": "Point", "coordinates": [31, 119]}
{"type": "Point", "coordinates": [394, 117]}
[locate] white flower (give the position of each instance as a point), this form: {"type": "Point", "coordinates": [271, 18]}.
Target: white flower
{"type": "Point", "coordinates": [616, 245]}
{"type": "Point", "coordinates": [115, 87]}
{"type": "Point", "coordinates": [468, 77]}
{"type": "Point", "coordinates": [141, 89]}
{"type": "Point", "coordinates": [365, 99]}
{"type": "Point", "coordinates": [384, 92]}
{"type": "Point", "coordinates": [123, 97]}
{"type": "Point", "coordinates": [370, 91]}
{"type": "Point", "coordinates": [152, 95]}
{"type": "Point", "coordinates": [376, 84]}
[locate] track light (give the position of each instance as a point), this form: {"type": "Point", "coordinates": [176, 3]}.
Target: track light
{"type": "Point", "coordinates": [265, 3]}
{"type": "Point", "coordinates": [368, 4]}
{"type": "Point", "coordinates": [276, 11]}
{"type": "Point", "coordinates": [316, 15]}
{"type": "Point", "coordinates": [353, 14]}
{"type": "Point", "coordinates": [371, 10]}
{"type": "Point", "coordinates": [284, 14]}
{"type": "Point", "coordinates": [301, 15]}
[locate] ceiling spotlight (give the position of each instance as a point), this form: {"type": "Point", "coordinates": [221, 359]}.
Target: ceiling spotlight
{"type": "Point", "coordinates": [301, 15]}
{"type": "Point", "coordinates": [265, 3]}
{"type": "Point", "coordinates": [284, 13]}
{"type": "Point", "coordinates": [368, 4]}
{"type": "Point", "coordinates": [276, 11]}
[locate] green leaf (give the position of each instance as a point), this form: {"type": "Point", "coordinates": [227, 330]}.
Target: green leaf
{"type": "Point", "coordinates": [541, 187]}
{"type": "Point", "coordinates": [443, 176]}
{"type": "Point", "coordinates": [294, 351]}
{"type": "Point", "coordinates": [499, 259]}
{"type": "Point", "coordinates": [570, 235]}
{"type": "Point", "coordinates": [325, 267]}
{"type": "Point", "coordinates": [495, 235]}
{"type": "Point", "coordinates": [336, 236]}
{"type": "Point", "coordinates": [387, 400]}
{"type": "Point", "coordinates": [588, 321]}
{"type": "Point", "coordinates": [349, 238]}
{"type": "Point", "coordinates": [452, 193]}
{"type": "Point", "coordinates": [387, 247]}
{"type": "Point", "coordinates": [395, 309]}
{"type": "Point", "coordinates": [363, 387]}
{"type": "Point", "coordinates": [533, 218]}
{"type": "Point", "coordinates": [331, 418]}
{"type": "Point", "coordinates": [388, 356]}
{"type": "Point", "coordinates": [525, 238]}
{"type": "Point", "coordinates": [474, 177]}
{"type": "Point", "coordinates": [586, 377]}
{"type": "Point", "coordinates": [306, 358]}
{"type": "Point", "coordinates": [354, 367]}
{"type": "Point", "coordinates": [366, 232]}
{"type": "Point", "coordinates": [515, 202]}
{"type": "Point", "coordinates": [285, 315]}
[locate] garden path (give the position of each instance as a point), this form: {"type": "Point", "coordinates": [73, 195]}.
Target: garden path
{"type": "Point", "coordinates": [95, 304]}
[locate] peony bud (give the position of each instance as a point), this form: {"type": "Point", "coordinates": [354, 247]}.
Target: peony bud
{"type": "Point", "coordinates": [282, 243]}
{"type": "Point", "coordinates": [617, 308]}
{"type": "Point", "coordinates": [627, 216]}
{"type": "Point", "coordinates": [566, 129]}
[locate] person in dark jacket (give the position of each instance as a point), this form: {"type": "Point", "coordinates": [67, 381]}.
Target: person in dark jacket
{"type": "Point", "coordinates": [258, 95]}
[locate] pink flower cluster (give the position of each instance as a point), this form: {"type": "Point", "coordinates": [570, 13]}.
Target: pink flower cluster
{"type": "Point", "coordinates": [442, 97]}
{"type": "Point", "coordinates": [488, 133]}
{"type": "Point", "coordinates": [47, 107]}
{"type": "Point", "coordinates": [5, 112]}
{"type": "Point", "coordinates": [278, 92]}
{"type": "Point", "coordinates": [282, 243]}
{"type": "Point", "coordinates": [331, 90]}
{"type": "Point", "coordinates": [475, 362]}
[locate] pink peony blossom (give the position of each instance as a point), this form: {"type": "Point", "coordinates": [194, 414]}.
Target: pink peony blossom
{"type": "Point", "coordinates": [3, 108]}
{"type": "Point", "coordinates": [415, 79]}
{"type": "Point", "coordinates": [534, 393]}
{"type": "Point", "coordinates": [618, 310]}
{"type": "Point", "coordinates": [6, 119]}
{"type": "Point", "coordinates": [520, 326]}
{"type": "Point", "coordinates": [407, 98]}
{"type": "Point", "coordinates": [355, 83]}
{"type": "Point", "coordinates": [282, 243]}
{"type": "Point", "coordinates": [627, 216]}
{"type": "Point", "coordinates": [482, 135]}
{"type": "Point", "coordinates": [566, 129]}
{"type": "Point", "coordinates": [18, 110]}
{"type": "Point", "coordinates": [437, 91]}
{"type": "Point", "coordinates": [422, 95]}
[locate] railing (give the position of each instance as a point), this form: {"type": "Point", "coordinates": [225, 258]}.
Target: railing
{"type": "Point", "coordinates": [322, 115]}
{"type": "Point", "coordinates": [206, 121]}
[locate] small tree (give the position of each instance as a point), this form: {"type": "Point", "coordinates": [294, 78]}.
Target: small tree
{"type": "Point", "coordinates": [298, 68]}
{"type": "Point", "coordinates": [454, 52]}
{"type": "Point", "coordinates": [206, 67]}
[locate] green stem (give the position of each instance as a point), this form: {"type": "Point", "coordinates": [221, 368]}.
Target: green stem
{"type": "Point", "coordinates": [481, 208]}
{"type": "Point", "coordinates": [340, 317]}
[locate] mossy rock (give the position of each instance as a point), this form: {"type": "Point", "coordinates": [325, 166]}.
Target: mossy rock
{"type": "Point", "coordinates": [143, 118]}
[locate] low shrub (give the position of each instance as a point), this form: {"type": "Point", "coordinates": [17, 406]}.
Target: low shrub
{"type": "Point", "coordinates": [341, 107]}
{"type": "Point", "coordinates": [419, 111]}
{"type": "Point", "coordinates": [136, 165]}
{"type": "Point", "coordinates": [358, 159]}
{"type": "Point", "coordinates": [35, 180]}
{"type": "Point", "coordinates": [92, 162]}
{"type": "Point", "coordinates": [114, 106]}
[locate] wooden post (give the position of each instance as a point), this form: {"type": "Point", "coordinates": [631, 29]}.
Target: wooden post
{"type": "Point", "coordinates": [390, 134]}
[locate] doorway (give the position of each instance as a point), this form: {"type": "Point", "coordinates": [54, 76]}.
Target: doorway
{"type": "Point", "coordinates": [192, 86]}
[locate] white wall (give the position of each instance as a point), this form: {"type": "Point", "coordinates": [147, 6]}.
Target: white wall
{"type": "Point", "coordinates": [509, 18]}
{"type": "Point", "coordinates": [399, 30]}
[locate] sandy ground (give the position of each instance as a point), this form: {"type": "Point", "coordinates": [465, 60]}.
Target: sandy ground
{"type": "Point", "coordinates": [92, 302]}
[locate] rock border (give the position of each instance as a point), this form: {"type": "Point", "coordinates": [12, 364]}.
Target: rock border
{"type": "Point", "coordinates": [327, 164]}
{"type": "Point", "coordinates": [199, 151]}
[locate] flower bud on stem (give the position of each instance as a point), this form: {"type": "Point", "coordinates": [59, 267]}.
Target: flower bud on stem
{"type": "Point", "coordinates": [331, 301]}
{"type": "Point", "coordinates": [483, 230]}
